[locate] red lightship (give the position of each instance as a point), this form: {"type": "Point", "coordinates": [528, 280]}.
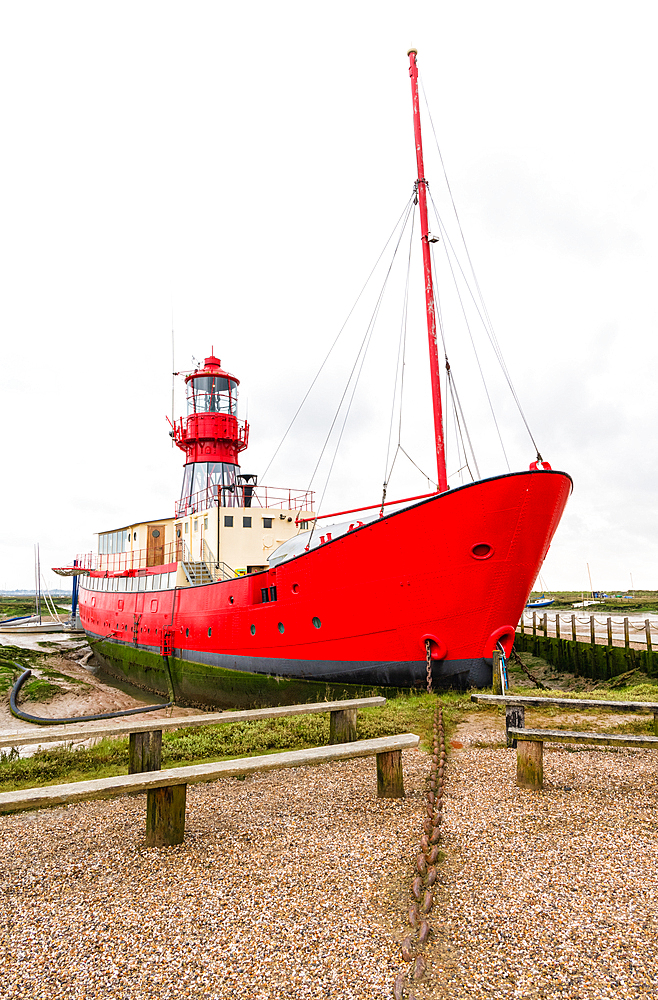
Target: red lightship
{"type": "Point", "coordinates": [243, 598]}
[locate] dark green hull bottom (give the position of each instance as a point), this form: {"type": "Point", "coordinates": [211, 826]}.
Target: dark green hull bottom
{"type": "Point", "coordinates": [207, 686]}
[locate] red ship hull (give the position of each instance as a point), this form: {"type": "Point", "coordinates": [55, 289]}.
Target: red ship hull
{"type": "Point", "coordinates": [456, 568]}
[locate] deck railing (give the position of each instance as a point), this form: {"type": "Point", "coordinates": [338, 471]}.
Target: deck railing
{"type": "Point", "coordinates": [245, 495]}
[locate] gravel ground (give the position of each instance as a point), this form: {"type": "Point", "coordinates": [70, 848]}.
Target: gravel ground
{"type": "Point", "coordinates": [282, 888]}
{"type": "Point", "coordinates": [295, 884]}
{"type": "Point", "coordinates": [548, 894]}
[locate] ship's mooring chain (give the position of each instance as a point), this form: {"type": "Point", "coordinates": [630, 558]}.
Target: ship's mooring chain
{"type": "Point", "coordinates": [422, 886]}
{"type": "Point", "coordinates": [428, 657]}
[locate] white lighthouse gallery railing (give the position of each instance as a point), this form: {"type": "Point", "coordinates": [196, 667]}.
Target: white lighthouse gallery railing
{"type": "Point", "coordinates": [631, 632]}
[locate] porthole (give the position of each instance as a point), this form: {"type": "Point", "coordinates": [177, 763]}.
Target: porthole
{"type": "Point", "coordinates": [317, 623]}
{"type": "Point", "coordinates": [209, 632]}
{"type": "Point", "coordinates": [231, 599]}
{"type": "Point", "coordinates": [253, 630]}
{"type": "Point", "coordinates": [281, 627]}
{"type": "Point", "coordinates": [187, 633]}
{"type": "Point", "coordinates": [155, 533]}
{"type": "Point", "coordinates": [295, 588]}
{"type": "Point", "coordinates": [482, 550]}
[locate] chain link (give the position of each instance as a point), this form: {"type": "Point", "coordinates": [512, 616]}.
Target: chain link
{"type": "Point", "coordinates": [428, 656]}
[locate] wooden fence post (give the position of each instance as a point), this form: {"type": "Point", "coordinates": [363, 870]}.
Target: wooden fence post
{"type": "Point", "coordinates": [496, 676]}
{"type": "Point", "coordinates": [592, 630]}
{"type": "Point", "coordinates": [573, 627]}
{"type": "Point", "coordinates": [534, 623]}
{"type": "Point", "coordinates": [557, 626]}
{"type": "Point", "coordinates": [165, 815]}
{"type": "Point", "coordinates": [610, 631]}
{"type": "Point", "coordinates": [545, 625]}
{"type": "Point", "coordinates": [655, 723]}
{"type": "Point", "coordinates": [627, 637]}
{"type": "Point", "coordinates": [342, 726]}
{"type": "Point", "coordinates": [390, 784]}
{"type": "Point", "coordinates": [523, 623]}
{"type": "Point", "coordinates": [145, 752]}
{"type": "Point", "coordinates": [514, 718]}
{"type": "Point", "coordinates": [647, 629]}
{"type": "Point", "coordinates": [530, 764]}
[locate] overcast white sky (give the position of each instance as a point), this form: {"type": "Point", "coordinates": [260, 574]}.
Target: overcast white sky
{"type": "Point", "coordinates": [243, 165]}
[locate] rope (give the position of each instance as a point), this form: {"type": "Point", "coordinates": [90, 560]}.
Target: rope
{"type": "Point", "coordinates": [486, 319]}
{"type": "Point", "coordinates": [356, 302]}
{"type": "Point", "coordinates": [361, 354]}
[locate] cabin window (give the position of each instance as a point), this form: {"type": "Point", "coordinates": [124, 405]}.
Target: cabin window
{"type": "Point", "coordinates": [228, 520]}
{"type": "Point", "coordinates": [196, 525]}
{"type": "Point", "coordinates": [273, 593]}
{"type": "Point", "coordinates": [267, 522]}
{"type": "Point", "coordinates": [205, 523]}
{"type": "Point", "coordinates": [246, 522]}
{"type": "Point", "coordinates": [264, 595]}
{"type": "Point", "coordinates": [187, 527]}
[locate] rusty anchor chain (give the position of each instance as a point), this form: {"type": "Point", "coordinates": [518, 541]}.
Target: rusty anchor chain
{"type": "Point", "coordinates": [422, 886]}
{"type": "Point", "coordinates": [428, 657]}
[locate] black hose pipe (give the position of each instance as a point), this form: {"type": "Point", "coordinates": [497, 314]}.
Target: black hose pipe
{"type": "Point", "coordinates": [15, 710]}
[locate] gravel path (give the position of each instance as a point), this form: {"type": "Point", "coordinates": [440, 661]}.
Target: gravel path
{"type": "Point", "coordinates": [548, 894]}
{"type": "Point", "coordinates": [296, 884]}
{"type": "Point", "coordinates": [284, 887]}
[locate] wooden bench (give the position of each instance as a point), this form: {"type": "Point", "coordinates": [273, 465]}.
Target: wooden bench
{"type": "Point", "coordinates": [530, 749]}
{"type": "Point", "coordinates": [167, 790]}
{"type": "Point", "coordinates": [145, 751]}
{"type": "Point", "coordinates": [515, 706]}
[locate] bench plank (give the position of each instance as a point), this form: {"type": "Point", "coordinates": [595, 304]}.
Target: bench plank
{"type": "Point", "coordinates": [103, 788]}
{"type": "Point", "coordinates": [598, 739]}
{"type": "Point", "coordinates": [622, 706]}
{"type": "Point", "coordinates": [58, 734]}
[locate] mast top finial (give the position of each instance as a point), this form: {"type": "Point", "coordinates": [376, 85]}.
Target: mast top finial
{"type": "Point", "coordinates": [415, 52]}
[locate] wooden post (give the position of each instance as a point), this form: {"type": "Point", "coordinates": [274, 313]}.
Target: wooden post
{"type": "Point", "coordinates": [545, 625]}
{"type": "Point", "coordinates": [573, 628]}
{"type": "Point", "coordinates": [557, 626]}
{"type": "Point", "coordinates": [523, 623]}
{"type": "Point", "coordinates": [390, 784]}
{"type": "Point", "coordinates": [647, 629]}
{"type": "Point", "coordinates": [165, 815]}
{"type": "Point", "coordinates": [530, 764]}
{"type": "Point", "coordinates": [534, 623]}
{"type": "Point", "coordinates": [655, 723]}
{"type": "Point", "coordinates": [592, 630]}
{"type": "Point", "coordinates": [342, 726]}
{"type": "Point", "coordinates": [627, 638]}
{"type": "Point", "coordinates": [514, 716]}
{"type": "Point", "coordinates": [610, 631]}
{"type": "Point", "coordinates": [145, 752]}
{"type": "Point", "coordinates": [496, 674]}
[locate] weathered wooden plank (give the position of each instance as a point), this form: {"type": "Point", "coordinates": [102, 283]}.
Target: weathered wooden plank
{"type": "Point", "coordinates": [62, 734]}
{"type": "Point", "coordinates": [390, 783]}
{"type": "Point", "coordinates": [530, 765]}
{"type": "Point", "coordinates": [511, 699]}
{"type": "Point", "coordinates": [598, 739]}
{"type": "Point", "coordinates": [342, 726]}
{"type": "Point", "coordinates": [98, 788]}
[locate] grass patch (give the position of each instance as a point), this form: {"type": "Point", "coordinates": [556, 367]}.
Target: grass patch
{"type": "Point", "coordinates": [108, 757]}
{"type": "Point", "coordinates": [39, 689]}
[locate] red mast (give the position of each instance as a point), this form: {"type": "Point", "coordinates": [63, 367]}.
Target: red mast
{"type": "Point", "coordinates": [429, 288]}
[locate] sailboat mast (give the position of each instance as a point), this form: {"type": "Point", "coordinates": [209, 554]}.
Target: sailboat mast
{"type": "Point", "coordinates": [429, 287]}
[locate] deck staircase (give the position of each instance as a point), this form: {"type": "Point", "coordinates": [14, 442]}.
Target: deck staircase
{"type": "Point", "coordinates": [197, 573]}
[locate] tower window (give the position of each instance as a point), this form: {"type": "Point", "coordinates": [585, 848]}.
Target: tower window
{"type": "Point", "coordinates": [228, 520]}
{"type": "Point", "coordinates": [246, 522]}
